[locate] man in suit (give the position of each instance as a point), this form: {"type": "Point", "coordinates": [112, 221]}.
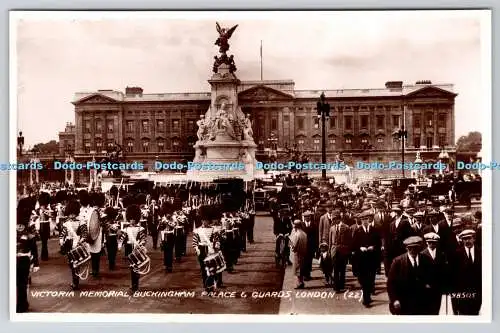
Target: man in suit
{"type": "Point", "coordinates": [399, 230]}
{"type": "Point", "coordinates": [466, 297]}
{"type": "Point", "coordinates": [366, 243]}
{"type": "Point", "coordinates": [325, 223]}
{"type": "Point", "coordinates": [340, 248]}
{"type": "Point", "coordinates": [417, 226]}
{"type": "Point", "coordinates": [409, 283]}
{"type": "Point", "coordinates": [448, 239]}
{"type": "Point", "coordinates": [311, 230]}
{"type": "Point", "coordinates": [438, 274]}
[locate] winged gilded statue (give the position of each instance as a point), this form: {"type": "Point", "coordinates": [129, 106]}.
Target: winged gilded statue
{"type": "Point", "coordinates": [224, 35]}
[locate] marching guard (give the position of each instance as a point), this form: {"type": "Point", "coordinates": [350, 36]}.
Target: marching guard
{"type": "Point", "coordinates": [24, 266]}
{"type": "Point", "coordinates": [153, 222]}
{"type": "Point", "coordinates": [167, 241]}
{"type": "Point", "coordinates": [205, 243]}
{"type": "Point", "coordinates": [133, 236]}
{"type": "Point", "coordinates": [74, 235]}
{"type": "Point", "coordinates": [111, 235]}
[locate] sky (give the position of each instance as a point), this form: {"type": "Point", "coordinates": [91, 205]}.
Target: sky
{"type": "Point", "coordinates": [58, 54]}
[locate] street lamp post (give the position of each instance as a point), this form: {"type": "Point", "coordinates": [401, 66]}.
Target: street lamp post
{"type": "Point", "coordinates": [323, 109]}
{"type": "Point", "coordinates": [20, 143]}
{"type": "Point", "coordinates": [402, 134]}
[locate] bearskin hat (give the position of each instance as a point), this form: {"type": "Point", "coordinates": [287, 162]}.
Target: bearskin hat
{"type": "Point", "coordinates": [72, 208]}
{"type": "Point", "coordinates": [113, 191]}
{"type": "Point", "coordinates": [84, 197]}
{"type": "Point", "coordinates": [44, 199]}
{"type": "Point", "coordinates": [110, 213]}
{"type": "Point", "coordinates": [133, 213]}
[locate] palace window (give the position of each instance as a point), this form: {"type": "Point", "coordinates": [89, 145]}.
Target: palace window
{"type": "Point", "coordinates": [429, 142]}
{"type": "Point", "coordinates": [348, 141]}
{"type": "Point", "coordinates": [416, 141]}
{"type": "Point", "coordinates": [87, 126]}
{"type": "Point", "coordinates": [176, 145]}
{"type": "Point", "coordinates": [160, 125]}
{"type": "Point", "coordinates": [442, 140]}
{"type": "Point", "coordinates": [110, 146]}
{"type": "Point", "coordinates": [395, 121]}
{"type": "Point", "coordinates": [348, 122]}
{"type": "Point", "coordinates": [145, 126]}
{"type": "Point", "coordinates": [274, 124]}
{"type": "Point", "coordinates": [380, 122]}
{"type": "Point", "coordinates": [145, 146]}
{"type": "Point", "coordinates": [442, 121]}
{"type": "Point", "coordinates": [380, 139]}
{"type": "Point", "coordinates": [429, 118]}
{"type": "Point", "coordinates": [86, 146]}
{"type": "Point", "coordinates": [364, 122]}
{"type": "Point", "coordinates": [130, 125]}
{"type": "Point", "coordinates": [300, 123]}
{"type": "Point", "coordinates": [130, 146]}
{"type": "Point", "coordinates": [416, 121]}
{"type": "Point", "coordinates": [316, 144]}
{"type": "Point", "coordinates": [161, 145]}
{"type": "Point", "coordinates": [175, 125]}
{"type": "Point", "coordinates": [316, 122]}
{"type": "Point", "coordinates": [364, 141]}
{"type": "Point", "coordinates": [110, 126]}
{"type": "Point", "coordinates": [190, 125]}
{"type": "Point", "coordinates": [332, 141]}
{"type": "Point", "coordinates": [333, 122]}
{"type": "Point", "coordinates": [98, 125]}
{"type": "Point", "coordinates": [98, 145]}
{"type": "Point", "coordinates": [191, 141]}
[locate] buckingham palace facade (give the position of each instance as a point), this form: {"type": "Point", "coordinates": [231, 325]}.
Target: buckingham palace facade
{"type": "Point", "coordinates": [361, 126]}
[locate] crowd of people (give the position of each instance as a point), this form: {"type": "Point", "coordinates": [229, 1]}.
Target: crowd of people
{"type": "Point", "coordinates": [425, 250]}
{"type": "Point", "coordinates": [220, 230]}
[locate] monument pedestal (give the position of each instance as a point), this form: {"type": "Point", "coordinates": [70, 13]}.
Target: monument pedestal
{"type": "Point", "coordinates": [223, 159]}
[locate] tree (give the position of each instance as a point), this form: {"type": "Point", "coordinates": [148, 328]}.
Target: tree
{"type": "Point", "coordinates": [51, 147]}
{"type": "Point", "coordinates": [469, 143]}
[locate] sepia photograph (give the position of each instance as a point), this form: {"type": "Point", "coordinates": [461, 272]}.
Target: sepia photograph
{"type": "Point", "coordinates": [257, 166]}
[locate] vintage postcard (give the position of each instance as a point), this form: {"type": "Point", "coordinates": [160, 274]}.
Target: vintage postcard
{"type": "Point", "coordinates": [252, 166]}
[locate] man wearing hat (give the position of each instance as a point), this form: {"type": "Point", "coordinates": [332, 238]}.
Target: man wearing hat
{"type": "Point", "coordinates": [366, 245]}
{"type": "Point", "coordinates": [418, 226]}
{"type": "Point", "coordinates": [399, 230]}
{"type": "Point", "coordinates": [298, 245]}
{"type": "Point", "coordinates": [325, 223]}
{"type": "Point", "coordinates": [438, 273]}
{"type": "Point", "coordinates": [311, 230]}
{"type": "Point", "coordinates": [340, 249]}
{"type": "Point", "coordinates": [448, 238]}
{"type": "Point", "coordinates": [466, 272]}
{"type": "Point", "coordinates": [409, 283]}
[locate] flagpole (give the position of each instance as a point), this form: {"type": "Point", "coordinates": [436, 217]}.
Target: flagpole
{"type": "Point", "coordinates": [261, 76]}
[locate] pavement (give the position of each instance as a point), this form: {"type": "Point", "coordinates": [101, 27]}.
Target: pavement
{"type": "Point", "coordinates": [255, 274]}
{"type": "Point", "coordinates": [318, 299]}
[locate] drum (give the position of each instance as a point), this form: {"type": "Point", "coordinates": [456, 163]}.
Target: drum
{"type": "Point", "coordinates": [215, 264]}
{"type": "Point", "coordinates": [139, 260]}
{"type": "Point", "coordinates": [78, 256]}
{"type": "Point", "coordinates": [236, 232]}
{"type": "Point", "coordinates": [94, 225]}
{"type": "Point", "coordinates": [179, 231]}
{"type": "Point", "coordinates": [168, 236]}
{"type": "Point", "coordinates": [203, 250]}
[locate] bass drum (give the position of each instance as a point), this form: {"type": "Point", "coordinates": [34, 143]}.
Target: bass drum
{"type": "Point", "coordinates": [94, 225]}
